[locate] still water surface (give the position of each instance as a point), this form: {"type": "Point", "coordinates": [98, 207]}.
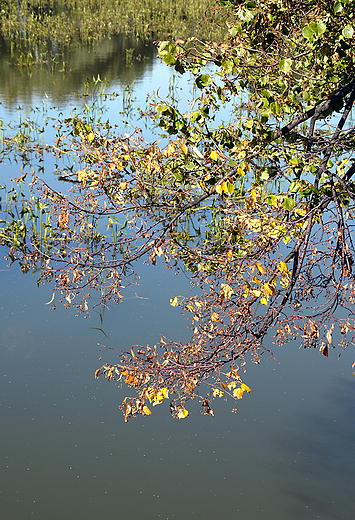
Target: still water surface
{"type": "Point", "coordinates": [66, 453]}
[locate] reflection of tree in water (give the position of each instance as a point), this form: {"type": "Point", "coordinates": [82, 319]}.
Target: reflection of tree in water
{"type": "Point", "coordinates": [319, 483]}
{"type": "Point", "coordinates": [107, 59]}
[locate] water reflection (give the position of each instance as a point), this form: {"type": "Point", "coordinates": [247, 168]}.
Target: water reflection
{"type": "Point", "coordinates": [287, 453]}
{"type": "Point", "coordinates": [318, 461]}
{"type": "Point", "coordinates": [22, 86]}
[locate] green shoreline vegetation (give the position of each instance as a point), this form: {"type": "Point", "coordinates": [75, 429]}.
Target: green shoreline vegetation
{"type": "Point", "coordinates": [39, 29]}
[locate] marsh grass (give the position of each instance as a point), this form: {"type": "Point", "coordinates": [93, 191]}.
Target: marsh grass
{"type": "Point", "coordinates": [38, 30]}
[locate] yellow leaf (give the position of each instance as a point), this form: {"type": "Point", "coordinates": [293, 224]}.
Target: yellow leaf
{"type": "Point", "coordinates": [174, 302]}
{"type": "Point", "coordinates": [165, 392]}
{"type": "Point", "coordinates": [263, 301]}
{"type": "Point", "coordinates": [217, 392]}
{"type": "Point", "coordinates": [268, 289]}
{"type": "Point", "coordinates": [226, 291]}
{"type": "Point", "coordinates": [214, 155]}
{"type": "Point", "coordinates": [182, 413]}
{"type": "Point", "coordinates": [151, 394]}
{"type": "Point", "coordinates": [254, 195]}
{"type": "Point", "coordinates": [300, 211]}
{"type": "Point", "coordinates": [223, 385]}
{"type": "Point", "coordinates": [256, 280]}
{"type": "Point", "coordinates": [231, 385]}
{"type": "Point", "coordinates": [238, 393]}
{"type": "Point", "coordinates": [233, 373]}
{"type": "Point", "coordinates": [219, 189]}
{"type": "Point", "coordinates": [224, 187]}
{"type": "Point", "coordinates": [283, 267]}
{"type": "Point", "coordinates": [259, 267]}
{"type": "Point", "coordinates": [158, 399]}
{"type": "Point", "coordinates": [90, 136]}
{"type": "Point", "coordinates": [245, 388]}
{"type": "Point", "coordinates": [155, 166]}
{"type": "Point", "coordinates": [124, 185]}
{"type": "Point", "coordinates": [214, 316]}
{"type": "Point", "coordinates": [329, 334]}
{"type": "Point", "coordinates": [82, 176]}
{"type": "Point", "coordinates": [169, 151]}
{"type": "Point", "coordinates": [241, 172]}
{"type": "Point", "coordinates": [146, 410]}
{"type": "Point", "coordinates": [184, 148]}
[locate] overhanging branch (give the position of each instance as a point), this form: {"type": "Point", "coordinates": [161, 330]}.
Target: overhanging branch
{"type": "Point", "coordinates": [318, 110]}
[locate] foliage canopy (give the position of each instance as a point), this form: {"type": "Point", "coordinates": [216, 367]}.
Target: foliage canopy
{"type": "Point", "coordinates": [260, 209]}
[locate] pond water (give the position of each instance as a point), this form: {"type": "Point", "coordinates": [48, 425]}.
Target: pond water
{"type": "Point", "coordinates": [66, 453]}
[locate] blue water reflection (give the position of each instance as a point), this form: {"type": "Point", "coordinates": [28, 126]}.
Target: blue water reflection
{"type": "Point", "coordinates": [66, 452]}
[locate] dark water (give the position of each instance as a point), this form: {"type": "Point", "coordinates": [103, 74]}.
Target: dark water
{"type": "Point", "coordinates": [66, 453]}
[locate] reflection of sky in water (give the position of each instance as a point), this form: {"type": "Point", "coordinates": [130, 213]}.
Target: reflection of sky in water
{"type": "Point", "coordinates": [287, 453]}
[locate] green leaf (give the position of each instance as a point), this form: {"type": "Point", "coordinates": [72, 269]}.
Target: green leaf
{"type": "Point", "coordinates": [228, 65]}
{"type": "Point", "coordinates": [338, 7]}
{"type": "Point", "coordinates": [271, 200]}
{"type": "Point", "coordinates": [179, 176]}
{"type": "Point", "coordinates": [295, 186]}
{"type": "Point", "coordinates": [169, 59]}
{"type": "Point", "coordinates": [289, 203]}
{"type": "Point", "coordinates": [285, 65]}
{"type": "Point", "coordinates": [275, 108]}
{"type": "Point", "coordinates": [162, 108]}
{"type": "Point", "coordinates": [203, 80]}
{"type": "Point", "coordinates": [318, 27]}
{"type": "Point", "coordinates": [248, 124]}
{"type": "Point", "coordinates": [308, 32]}
{"type": "Point", "coordinates": [162, 46]}
{"type": "Point", "coordinates": [265, 115]}
{"type": "Point", "coordinates": [194, 115]}
{"type": "Point", "coordinates": [246, 15]}
{"type": "Point", "coordinates": [190, 165]}
{"type": "Point", "coordinates": [348, 31]}
{"type": "Point", "coordinates": [265, 174]}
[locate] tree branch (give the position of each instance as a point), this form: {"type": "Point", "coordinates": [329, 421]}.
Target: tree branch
{"type": "Point", "coordinates": [316, 111]}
